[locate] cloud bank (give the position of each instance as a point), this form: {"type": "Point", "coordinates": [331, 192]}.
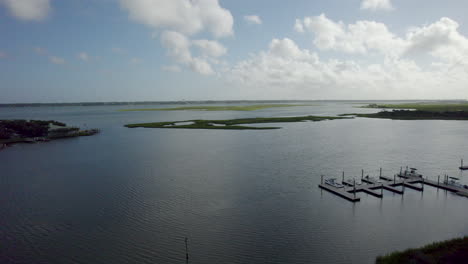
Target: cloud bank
{"type": "Point", "coordinates": [179, 21]}
{"type": "Point", "coordinates": [28, 10]}
{"type": "Point", "coordinates": [378, 63]}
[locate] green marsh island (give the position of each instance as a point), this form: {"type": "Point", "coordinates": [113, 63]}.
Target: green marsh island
{"type": "Point", "coordinates": [233, 123]}
{"type": "Point", "coordinates": [450, 251]}
{"type": "Point", "coordinates": [419, 111]}
{"type": "Point", "coordinates": [218, 108]}
{"type": "Point", "coordinates": [30, 131]}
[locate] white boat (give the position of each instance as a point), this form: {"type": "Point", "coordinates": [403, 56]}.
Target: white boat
{"type": "Point", "coordinates": [334, 183]}
{"type": "Point", "coordinates": [411, 172]}
{"type": "Point", "coordinates": [455, 182]}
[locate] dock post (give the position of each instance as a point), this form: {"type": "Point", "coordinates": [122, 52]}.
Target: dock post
{"type": "Point", "coordinates": [354, 186]}
{"type": "Point", "coordinates": [461, 163]}
{"type": "Point", "coordinates": [422, 184]}
{"type": "Point", "coordinates": [362, 174]}
{"type": "Point", "coordinates": [381, 190]}
{"type": "Point", "coordinates": [394, 178]}
{"type": "Point", "coordinates": [342, 181]}
{"type": "Point", "coordinates": [438, 180]}
{"type": "Point", "coordinates": [321, 179]}
{"type": "Point", "coordinates": [401, 170]}
{"type": "Point", "coordinates": [380, 172]}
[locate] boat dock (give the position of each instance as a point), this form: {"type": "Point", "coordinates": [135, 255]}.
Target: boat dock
{"type": "Point", "coordinates": [396, 184]}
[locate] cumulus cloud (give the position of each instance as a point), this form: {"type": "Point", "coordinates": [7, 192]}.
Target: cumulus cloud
{"type": "Point", "coordinates": [210, 48]}
{"type": "Point", "coordinates": [28, 10]}
{"type": "Point", "coordinates": [253, 19]}
{"type": "Point", "coordinates": [178, 47]}
{"type": "Point", "coordinates": [284, 69]}
{"type": "Point", "coordinates": [185, 16]}
{"type": "Point", "coordinates": [376, 5]}
{"type": "Point", "coordinates": [440, 39]}
{"type": "Point", "coordinates": [179, 21]}
{"type": "Point", "coordinates": [56, 60]}
{"type": "Point", "coordinates": [83, 56]}
{"type": "Point", "coordinates": [361, 37]}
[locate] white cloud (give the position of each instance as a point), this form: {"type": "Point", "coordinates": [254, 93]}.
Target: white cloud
{"type": "Point", "coordinates": [210, 48]}
{"type": "Point", "coordinates": [186, 16]}
{"type": "Point", "coordinates": [361, 37]}
{"type": "Point", "coordinates": [376, 5]}
{"type": "Point", "coordinates": [56, 60]}
{"type": "Point", "coordinates": [83, 56]}
{"type": "Point", "coordinates": [178, 47]}
{"type": "Point", "coordinates": [253, 19]}
{"type": "Point", "coordinates": [201, 66]}
{"type": "Point", "coordinates": [179, 20]}
{"type": "Point", "coordinates": [286, 71]}
{"type": "Point", "coordinates": [28, 10]}
{"type": "Point", "coordinates": [440, 39]}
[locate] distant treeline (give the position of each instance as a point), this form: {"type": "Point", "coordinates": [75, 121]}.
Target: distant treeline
{"type": "Point", "coordinates": [192, 102]}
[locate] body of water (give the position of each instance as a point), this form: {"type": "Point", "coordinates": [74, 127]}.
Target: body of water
{"type": "Point", "coordinates": [239, 196]}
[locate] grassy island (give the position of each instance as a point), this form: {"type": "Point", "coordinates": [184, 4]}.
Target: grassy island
{"type": "Point", "coordinates": [431, 107]}
{"type": "Point", "coordinates": [416, 115]}
{"type": "Point", "coordinates": [232, 123]}
{"type": "Point", "coordinates": [29, 131]}
{"type": "Point", "coordinates": [450, 251]}
{"type": "Point", "coordinates": [217, 108]}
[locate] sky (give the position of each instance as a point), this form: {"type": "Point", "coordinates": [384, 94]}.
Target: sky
{"type": "Point", "coordinates": [165, 50]}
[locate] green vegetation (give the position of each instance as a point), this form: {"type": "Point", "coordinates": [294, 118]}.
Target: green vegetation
{"type": "Point", "coordinates": [218, 108]}
{"type": "Point", "coordinates": [232, 123]}
{"type": "Point", "coordinates": [416, 115]}
{"type": "Point", "coordinates": [450, 251]}
{"type": "Point", "coordinates": [432, 107]}
{"type": "Point", "coordinates": [18, 131]}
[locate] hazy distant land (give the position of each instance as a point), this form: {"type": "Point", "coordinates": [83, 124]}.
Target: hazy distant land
{"type": "Point", "coordinates": [418, 111]}
{"type": "Point", "coordinates": [218, 108]}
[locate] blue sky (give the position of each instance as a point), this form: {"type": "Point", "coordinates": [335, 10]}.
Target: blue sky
{"type": "Point", "coordinates": [133, 50]}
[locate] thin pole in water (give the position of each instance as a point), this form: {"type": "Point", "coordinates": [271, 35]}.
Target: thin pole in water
{"type": "Point", "coordinates": [438, 180]}
{"type": "Point", "coordinates": [342, 181]}
{"type": "Point", "coordinates": [380, 172]}
{"type": "Point", "coordinates": [186, 248]}
{"type": "Point", "coordinates": [321, 179]}
{"type": "Point", "coordinates": [354, 185]}
{"type": "Point", "coordinates": [362, 174]}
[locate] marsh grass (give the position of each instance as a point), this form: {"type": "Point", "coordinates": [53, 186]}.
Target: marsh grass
{"type": "Point", "coordinates": [233, 123]}
{"type": "Point", "coordinates": [431, 107]}
{"type": "Point", "coordinates": [449, 251]}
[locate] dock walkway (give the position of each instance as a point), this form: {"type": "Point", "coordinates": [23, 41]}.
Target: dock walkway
{"type": "Point", "coordinates": [372, 186]}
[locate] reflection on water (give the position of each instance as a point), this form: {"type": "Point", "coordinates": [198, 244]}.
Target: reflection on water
{"type": "Point", "coordinates": [133, 195]}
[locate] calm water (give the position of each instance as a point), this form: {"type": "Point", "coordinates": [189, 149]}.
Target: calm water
{"type": "Point", "coordinates": [133, 195]}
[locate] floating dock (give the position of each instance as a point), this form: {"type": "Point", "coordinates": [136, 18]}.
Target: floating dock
{"type": "Point", "coordinates": [375, 186]}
